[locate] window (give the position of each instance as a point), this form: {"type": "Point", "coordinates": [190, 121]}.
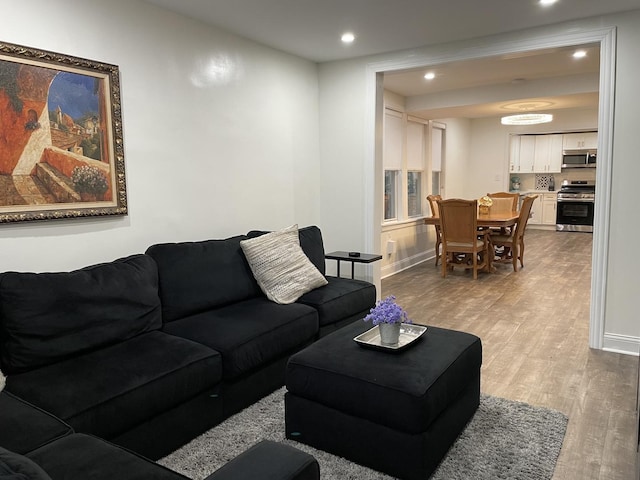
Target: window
{"type": "Point", "coordinates": [390, 194]}
{"type": "Point", "coordinates": [404, 161]}
{"type": "Point", "coordinates": [414, 194]}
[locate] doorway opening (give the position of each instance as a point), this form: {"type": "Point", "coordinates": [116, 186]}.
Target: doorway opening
{"type": "Point", "coordinates": [602, 39]}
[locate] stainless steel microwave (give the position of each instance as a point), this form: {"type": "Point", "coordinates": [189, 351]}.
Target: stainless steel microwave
{"type": "Point", "coordinates": [579, 159]}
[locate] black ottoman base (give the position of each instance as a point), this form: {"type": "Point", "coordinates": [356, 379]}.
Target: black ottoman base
{"type": "Point", "coordinates": [400, 454]}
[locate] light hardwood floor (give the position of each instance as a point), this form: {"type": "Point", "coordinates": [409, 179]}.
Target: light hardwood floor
{"type": "Point", "coordinates": [534, 326]}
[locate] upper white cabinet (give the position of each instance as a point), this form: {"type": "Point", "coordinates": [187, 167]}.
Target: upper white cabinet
{"type": "Point", "coordinates": [535, 154]}
{"type": "Point", "coordinates": [578, 141]}
{"type": "Point", "coordinates": [522, 155]}
{"type": "Point", "coordinates": [548, 153]}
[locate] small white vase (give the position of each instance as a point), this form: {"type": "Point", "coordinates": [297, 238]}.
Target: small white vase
{"type": "Point", "coordinates": [389, 333]}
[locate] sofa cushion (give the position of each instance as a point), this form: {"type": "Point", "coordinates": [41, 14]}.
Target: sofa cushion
{"type": "Point", "coordinates": [18, 467]}
{"type": "Point", "coordinates": [111, 390]}
{"type": "Point", "coordinates": [310, 242]}
{"type": "Point", "coordinates": [250, 334]}
{"type": "Point", "coordinates": [341, 298]}
{"type": "Point", "coordinates": [47, 317]}
{"type": "Point", "coordinates": [81, 456]}
{"type": "Point", "coordinates": [281, 268]}
{"type": "Point", "coordinates": [198, 276]}
{"type": "Point", "coordinates": [25, 427]}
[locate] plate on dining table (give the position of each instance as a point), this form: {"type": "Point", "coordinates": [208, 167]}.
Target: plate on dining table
{"type": "Point", "coordinates": [409, 333]}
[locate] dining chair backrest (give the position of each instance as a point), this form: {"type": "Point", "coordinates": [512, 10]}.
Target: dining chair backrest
{"type": "Point", "coordinates": [525, 212]}
{"type": "Point", "coordinates": [458, 220]}
{"type": "Point", "coordinates": [501, 205]}
{"type": "Point", "coordinates": [433, 204]}
{"type": "Point", "coordinates": [515, 198]}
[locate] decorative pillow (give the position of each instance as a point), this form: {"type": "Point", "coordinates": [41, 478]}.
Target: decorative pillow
{"type": "Point", "coordinates": [280, 267]}
{"type": "Point", "coordinates": [3, 381]}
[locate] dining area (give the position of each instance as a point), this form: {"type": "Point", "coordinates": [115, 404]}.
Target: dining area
{"type": "Point", "coordinates": [477, 234]}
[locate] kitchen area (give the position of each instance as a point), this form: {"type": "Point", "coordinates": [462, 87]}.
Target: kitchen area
{"type": "Point", "coordinates": [561, 169]}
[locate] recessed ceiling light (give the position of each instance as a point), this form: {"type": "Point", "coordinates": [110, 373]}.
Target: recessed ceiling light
{"type": "Point", "coordinates": [527, 119]}
{"type": "Point", "coordinates": [430, 76]}
{"type": "Point", "coordinates": [546, 3]}
{"type": "Point", "coordinates": [579, 54]}
{"type": "Point", "coordinates": [348, 37]}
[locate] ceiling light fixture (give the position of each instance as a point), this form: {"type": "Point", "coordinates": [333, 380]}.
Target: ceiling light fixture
{"type": "Point", "coordinates": [579, 54]}
{"type": "Point", "coordinates": [429, 76]}
{"type": "Point", "coordinates": [526, 119]}
{"type": "Point", "coordinates": [546, 3]}
{"type": "Point", "coordinates": [348, 37]}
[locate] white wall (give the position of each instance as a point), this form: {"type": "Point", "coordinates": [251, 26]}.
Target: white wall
{"type": "Point", "coordinates": [220, 134]}
{"type": "Point", "coordinates": [457, 153]}
{"type": "Point", "coordinates": [621, 328]}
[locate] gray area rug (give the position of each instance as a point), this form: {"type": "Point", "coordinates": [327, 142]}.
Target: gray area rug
{"type": "Point", "coordinates": [504, 440]}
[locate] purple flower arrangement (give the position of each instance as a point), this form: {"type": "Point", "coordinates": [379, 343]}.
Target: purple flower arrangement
{"type": "Point", "coordinates": [387, 311]}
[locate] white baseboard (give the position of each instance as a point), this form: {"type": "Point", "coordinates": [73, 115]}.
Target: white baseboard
{"type": "Point", "coordinates": [621, 344]}
{"type": "Point", "coordinates": [397, 267]}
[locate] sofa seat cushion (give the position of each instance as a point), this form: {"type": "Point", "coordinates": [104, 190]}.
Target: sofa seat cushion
{"type": "Point", "coordinates": [340, 298]}
{"type": "Point", "coordinates": [251, 333]}
{"type": "Point", "coordinates": [25, 427]}
{"type": "Point", "coordinates": [109, 391]}
{"type": "Point", "coordinates": [48, 317]}
{"type": "Point", "coordinates": [18, 467]}
{"type": "Point", "coordinates": [81, 456]}
{"type": "Point", "coordinates": [198, 276]}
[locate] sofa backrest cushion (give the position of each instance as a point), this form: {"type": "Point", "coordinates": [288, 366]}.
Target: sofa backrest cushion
{"type": "Point", "coordinates": [47, 317]}
{"type": "Point", "coordinates": [198, 276]}
{"type": "Point", "coordinates": [310, 242]}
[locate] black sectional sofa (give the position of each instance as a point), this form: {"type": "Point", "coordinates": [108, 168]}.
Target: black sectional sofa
{"type": "Point", "coordinates": [148, 351]}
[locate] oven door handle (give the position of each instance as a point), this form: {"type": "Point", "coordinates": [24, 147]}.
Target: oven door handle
{"type": "Point", "coordinates": [573, 200]}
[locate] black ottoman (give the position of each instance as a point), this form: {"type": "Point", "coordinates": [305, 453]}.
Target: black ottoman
{"type": "Point", "coordinates": [394, 412]}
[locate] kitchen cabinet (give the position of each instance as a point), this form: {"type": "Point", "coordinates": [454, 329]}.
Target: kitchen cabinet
{"type": "Point", "coordinates": [543, 210]}
{"type": "Point", "coordinates": [549, 205]}
{"type": "Point", "coordinates": [535, 154]}
{"type": "Point", "coordinates": [522, 155]}
{"type": "Point", "coordinates": [548, 153]}
{"type": "Point", "coordinates": [580, 141]}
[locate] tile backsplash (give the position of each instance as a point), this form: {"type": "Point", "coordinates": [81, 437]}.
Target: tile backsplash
{"type": "Point", "coordinates": [543, 180]}
{"type": "Point", "coordinates": [540, 181]}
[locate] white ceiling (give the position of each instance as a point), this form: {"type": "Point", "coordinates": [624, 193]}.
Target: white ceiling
{"type": "Point", "coordinates": [311, 29]}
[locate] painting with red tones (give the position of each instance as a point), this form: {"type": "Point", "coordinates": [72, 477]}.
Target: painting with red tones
{"type": "Point", "coordinates": [61, 149]}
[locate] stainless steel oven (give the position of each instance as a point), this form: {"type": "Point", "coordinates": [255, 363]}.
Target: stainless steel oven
{"type": "Point", "coordinates": [575, 208]}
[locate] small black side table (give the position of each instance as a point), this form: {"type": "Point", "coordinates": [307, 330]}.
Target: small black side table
{"type": "Point", "coordinates": [363, 258]}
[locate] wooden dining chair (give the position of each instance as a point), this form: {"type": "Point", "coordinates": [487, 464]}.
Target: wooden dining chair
{"type": "Point", "coordinates": [513, 242]}
{"type": "Point", "coordinates": [503, 202]}
{"type": "Point", "coordinates": [515, 198]}
{"type": "Point", "coordinates": [462, 244]}
{"type": "Point", "coordinates": [433, 204]}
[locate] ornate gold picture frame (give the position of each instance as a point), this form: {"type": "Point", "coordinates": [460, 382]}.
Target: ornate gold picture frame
{"type": "Point", "coordinates": [61, 146]}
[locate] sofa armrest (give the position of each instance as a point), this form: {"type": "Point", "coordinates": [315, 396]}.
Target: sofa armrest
{"type": "Point", "coordinates": [269, 460]}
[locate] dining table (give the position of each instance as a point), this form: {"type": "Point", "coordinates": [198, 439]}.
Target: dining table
{"type": "Point", "coordinates": [500, 219]}
{"type": "Point", "coordinates": [487, 220]}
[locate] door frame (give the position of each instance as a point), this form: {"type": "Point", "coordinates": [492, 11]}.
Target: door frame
{"type": "Point", "coordinates": [606, 38]}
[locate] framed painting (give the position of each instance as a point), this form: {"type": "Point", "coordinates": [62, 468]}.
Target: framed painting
{"type": "Point", "coordinates": [61, 148]}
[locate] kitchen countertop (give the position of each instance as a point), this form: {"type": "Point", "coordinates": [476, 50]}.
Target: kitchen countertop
{"type": "Point", "coordinates": [527, 192]}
